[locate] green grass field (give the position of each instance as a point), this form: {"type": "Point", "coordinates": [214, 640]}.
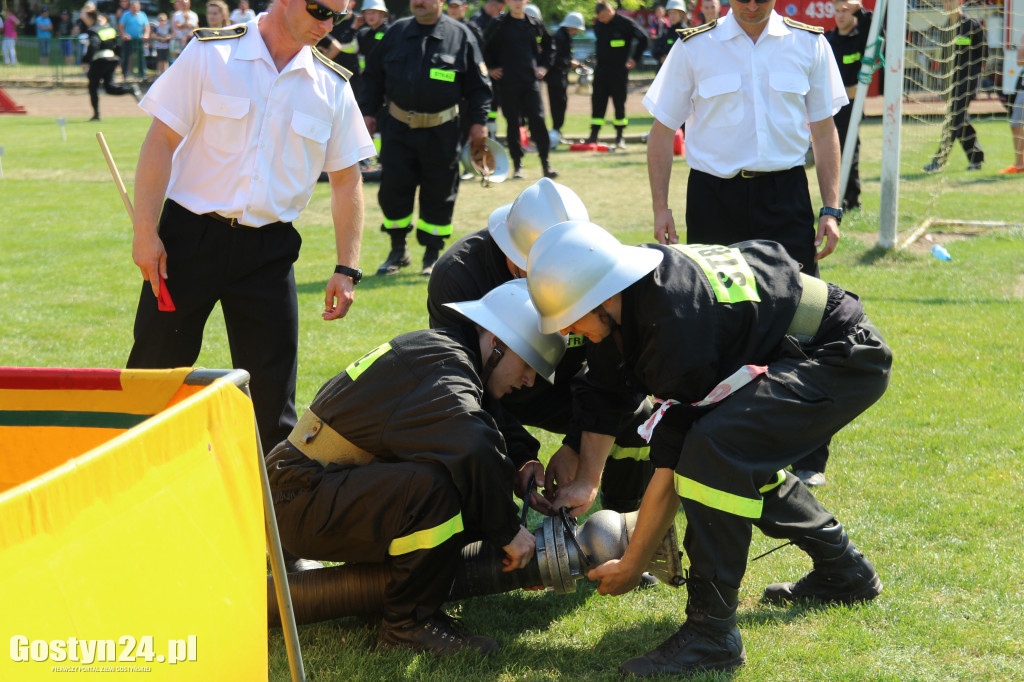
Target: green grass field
{"type": "Point", "coordinates": [928, 482]}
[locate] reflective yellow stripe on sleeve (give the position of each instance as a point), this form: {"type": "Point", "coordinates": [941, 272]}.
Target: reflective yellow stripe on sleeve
{"type": "Point", "coordinates": [780, 476]}
{"type": "Point", "coordinates": [426, 538]}
{"type": "Point", "coordinates": [360, 365]}
{"type": "Point", "coordinates": [718, 499]}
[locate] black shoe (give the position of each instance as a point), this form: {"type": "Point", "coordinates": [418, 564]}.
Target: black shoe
{"type": "Point", "coordinates": [841, 574]}
{"type": "Point", "coordinates": [95, 117]}
{"type": "Point", "coordinates": [549, 172]}
{"type": "Point", "coordinates": [397, 259]}
{"type": "Point", "coordinates": [708, 640]}
{"type": "Point", "coordinates": [811, 479]}
{"type": "Point", "coordinates": [517, 173]}
{"type": "Point", "coordinates": [974, 166]}
{"type": "Point", "coordinates": [933, 167]}
{"type": "Point", "coordinates": [437, 635]}
{"type": "Point", "coordinates": [430, 257]}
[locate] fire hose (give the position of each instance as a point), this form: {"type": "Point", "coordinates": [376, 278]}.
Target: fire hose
{"type": "Point", "coordinates": [565, 552]}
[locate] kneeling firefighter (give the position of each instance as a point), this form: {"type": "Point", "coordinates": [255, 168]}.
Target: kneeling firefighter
{"type": "Point", "coordinates": [757, 365]}
{"type": "Point", "coordinates": [398, 460]}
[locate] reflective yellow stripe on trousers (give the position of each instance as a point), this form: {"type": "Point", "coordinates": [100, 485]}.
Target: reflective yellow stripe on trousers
{"type": "Point", "coordinates": [426, 538]}
{"type": "Point", "coordinates": [723, 501]}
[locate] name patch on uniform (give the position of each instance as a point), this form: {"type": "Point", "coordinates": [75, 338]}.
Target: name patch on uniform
{"type": "Point", "coordinates": [617, 43]}
{"type": "Point", "coordinates": [361, 365]}
{"type": "Point", "coordinates": [851, 58]}
{"type": "Point", "coordinates": [443, 75]}
{"type": "Point", "coordinates": [962, 40]}
{"type": "Point", "coordinates": [730, 276]}
{"type": "Point", "coordinates": [574, 341]}
{"type": "Point", "coordinates": [107, 33]}
{"type": "Point", "coordinates": [378, 35]}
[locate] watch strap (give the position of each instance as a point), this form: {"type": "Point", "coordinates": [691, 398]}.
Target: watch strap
{"type": "Point", "coordinates": [355, 273]}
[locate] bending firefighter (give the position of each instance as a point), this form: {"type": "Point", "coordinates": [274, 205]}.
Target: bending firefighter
{"type": "Point", "coordinates": [372, 472]}
{"type": "Point", "coordinates": [757, 364]}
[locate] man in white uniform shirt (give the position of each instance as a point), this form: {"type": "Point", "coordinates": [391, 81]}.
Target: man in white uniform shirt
{"type": "Point", "coordinates": [753, 89]}
{"type": "Point", "coordinates": [243, 123]}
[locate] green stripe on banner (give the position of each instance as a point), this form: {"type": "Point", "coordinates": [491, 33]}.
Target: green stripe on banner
{"type": "Point", "coordinates": [426, 538]}
{"type": "Point", "coordinates": [93, 420]}
{"type": "Point", "coordinates": [718, 499]}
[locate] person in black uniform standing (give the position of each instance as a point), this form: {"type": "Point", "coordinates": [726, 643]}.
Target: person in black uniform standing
{"type": "Point", "coordinates": [676, 10]}
{"type": "Point", "coordinates": [100, 61]}
{"type": "Point", "coordinates": [964, 40]}
{"type": "Point", "coordinates": [457, 11]}
{"type": "Point", "coordinates": [375, 24]}
{"type": "Point", "coordinates": [483, 18]}
{"type": "Point", "coordinates": [486, 259]}
{"type": "Point", "coordinates": [620, 45]}
{"type": "Point", "coordinates": [373, 474]}
{"type": "Point", "coordinates": [341, 46]}
{"type": "Point", "coordinates": [423, 67]}
{"type": "Point", "coordinates": [757, 364]}
{"type": "Point", "coordinates": [517, 49]}
{"type": "Point", "coordinates": [558, 77]}
{"type": "Point", "coordinates": [849, 39]}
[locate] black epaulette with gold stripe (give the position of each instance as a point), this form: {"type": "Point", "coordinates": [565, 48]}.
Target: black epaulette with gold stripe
{"type": "Point", "coordinates": [793, 23]}
{"type": "Point", "coordinates": [687, 33]}
{"type": "Point", "coordinates": [219, 33]}
{"type": "Point", "coordinates": [332, 65]}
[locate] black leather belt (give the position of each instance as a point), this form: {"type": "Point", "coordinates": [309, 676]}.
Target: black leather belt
{"type": "Point", "coordinates": [747, 175]}
{"type": "Point", "coordinates": [233, 222]}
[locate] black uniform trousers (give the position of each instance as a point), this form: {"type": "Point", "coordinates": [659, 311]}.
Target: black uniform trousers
{"type": "Point", "coordinates": [558, 96]}
{"type": "Point", "coordinates": [250, 272]}
{"type": "Point", "coordinates": [519, 101]}
{"type": "Point", "coordinates": [609, 83]}
{"type": "Point", "coordinates": [427, 158]}
{"type": "Point", "coordinates": [352, 514]}
{"type": "Point", "coordinates": [957, 126]}
{"type": "Point", "coordinates": [807, 395]}
{"type": "Point", "coordinates": [776, 207]}
{"type": "Point", "coordinates": [101, 71]}
{"type": "Point", "coordinates": [851, 198]}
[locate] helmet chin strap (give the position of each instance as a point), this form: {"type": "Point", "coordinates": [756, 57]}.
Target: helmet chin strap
{"type": "Point", "coordinates": [497, 353]}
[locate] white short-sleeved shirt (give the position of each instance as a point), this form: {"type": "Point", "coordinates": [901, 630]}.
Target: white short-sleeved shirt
{"type": "Point", "coordinates": [746, 105]}
{"type": "Point", "coordinates": [255, 140]}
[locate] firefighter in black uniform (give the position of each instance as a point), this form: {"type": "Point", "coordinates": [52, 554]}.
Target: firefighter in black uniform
{"type": "Point", "coordinates": [101, 60]}
{"type": "Point", "coordinates": [457, 11]}
{"type": "Point", "coordinates": [964, 41]}
{"type": "Point", "coordinates": [620, 45]}
{"type": "Point", "coordinates": [517, 49]}
{"type": "Point", "coordinates": [558, 77]}
{"type": "Point", "coordinates": [849, 40]}
{"type": "Point", "coordinates": [342, 47]}
{"type": "Point", "coordinates": [423, 66]}
{"type": "Point", "coordinates": [676, 10]}
{"type": "Point", "coordinates": [375, 24]}
{"type": "Point", "coordinates": [758, 364]}
{"type": "Point", "coordinates": [372, 472]}
{"type": "Point", "coordinates": [482, 261]}
{"type": "Point", "coordinates": [483, 18]}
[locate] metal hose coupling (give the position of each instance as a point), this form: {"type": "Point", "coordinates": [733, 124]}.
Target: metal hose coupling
{"type": "Point", "coordinates": [565, 553]}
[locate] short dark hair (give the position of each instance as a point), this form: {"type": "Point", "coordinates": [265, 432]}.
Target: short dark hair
{"type": "Point", "coordinates": [602, 6]}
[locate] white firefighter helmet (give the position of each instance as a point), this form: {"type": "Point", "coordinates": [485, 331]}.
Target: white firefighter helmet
{"type": "Point", "coordinates": [554, 138]}
{"type": "Point", "coordinates": [532, 10]}
{"type": "Point", "coordinates": [676, 4]}
{"type": "Point", "coordinates": [507, 312]}
{"type": "Point", "coordinates": [374, 4]}
{"type": "Point", "coordinates": [493, 161]}
{"type": "Point", "coordinates": [574, 20]}
{"type": "Point", "coordinates": [538, 207]}
{"type": "Point", "coordinates": [498, 218]}
{"type": "Point", "coordinates": [576, 266]}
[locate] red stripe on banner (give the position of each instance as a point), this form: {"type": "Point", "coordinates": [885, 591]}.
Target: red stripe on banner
{"type": "Point", "coordinates": [52, 379]}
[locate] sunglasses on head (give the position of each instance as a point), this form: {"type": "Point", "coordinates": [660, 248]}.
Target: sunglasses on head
{"type": "Point", "coordinates": [322, 12]}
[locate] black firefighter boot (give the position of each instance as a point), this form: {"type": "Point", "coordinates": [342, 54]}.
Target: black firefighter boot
{"type": "Point", "coordinates": [437, 635]}
{"type": "Point", "coordinates": [708, 640]}
{"type": "Point", "coordinates": [841, 573]}
{"type": "Point", "coordinates": [594, 130]}
{"type": "Point", "coordinates": [398, 257]}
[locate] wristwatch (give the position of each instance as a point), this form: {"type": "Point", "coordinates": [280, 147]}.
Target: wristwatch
{"type": "Point", "coordinates": [355, 273]}
{"type": "Point", "coordinates": [836, 213]}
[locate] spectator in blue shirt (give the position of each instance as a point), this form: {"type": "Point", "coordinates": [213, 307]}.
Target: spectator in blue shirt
{"type": "Point", "coordinates": [134, 28]}
{"type": "Point", "coordinates": [44, 32]}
